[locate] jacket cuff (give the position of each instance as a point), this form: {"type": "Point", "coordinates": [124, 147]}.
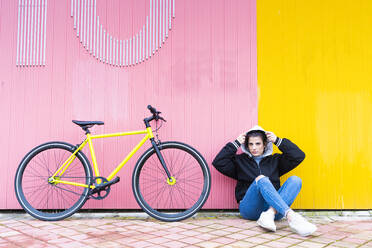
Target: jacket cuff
{"type": "Point", "coordinates": [278, 141]}
{"type": "Point", "coordinates": [236, 143]}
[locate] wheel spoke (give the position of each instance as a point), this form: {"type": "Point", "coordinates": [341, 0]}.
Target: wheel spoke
{"type": "Point", "coordinates": [172, 202]}
{"type": "Point", "coordinates": [48, 201]}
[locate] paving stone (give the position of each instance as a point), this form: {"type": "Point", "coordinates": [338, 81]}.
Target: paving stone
{"type": "Point", "coordinates": [156, 246]}
{"type": "Point", "coordinates": [289, 240]}
{"type": "Point", "coordinates": [261, 230]}
{"type": "Point", "coordinates": [363, 235]}
{"type": "Point", "coordinates": [369, 244]}
{"type": "Point", "coordinates": [249, 232]}
{"type": "Point", "coordinates": [242, 244]}
{"type": "Point", "coordinates": [126, 241]}
{"type": "Point", "coordinates": [232, 229]}
{"type": "Point", "coordinates": [204, 229]}
{"type": "Point", "coordinates": [256, 240]}
{"type": "Point", "coordinates": [9, 233]}
{"type": "Point", "coordinates": [283, 232]}
{"type": "Point", "coordinates": [174, 244]}
{"type": "Point", "coordinates": [345, 244]}
{"type": "Point", "coordinates": [297, 236]}
{"type": "Point", "coordinates": [269, 236]}
{"type": "Point", "coordinates": [192, 240]}
{"type": "Point", "coordinates": [221, 231]}
{"type": "Point", "coordinates": [139, 244]}
{"type": "Point", "coordinates": [310, 244]}
{"type": "Point", "coordinates": [3, 241]}
{"type": "Point", "coordinates": [176, 236]}
{"type": "Point", "coordinates": [224, 240]}
{"type": "Point", "coordinates": [59, 241]}
{"type": "Point", "coordinates": [174, 229]}
{"type": "Point", "coordinates": [206, 236]}
{"type": "Point", "coordinates": [188, 226]}
{"type": "Point", "coordinates": [176, 223]}
{"type": "Point", "coordinates": [111, 236]}
{"type": "Point", "coordinates": [354, 240]}
{"type": "Point", "coordinates": [335, 236]}
{"type": "Point", "coordinates": [237, 236]}
{"type": "Point", "coordinates": [190, 233]}
{"type": "Point", "coordinates": [323, 240]}
{"type": "Point", "coordinates": [209, 244]}
{"type": "Point", "coordinates": [278, 244]}
{"type": "Point", "coordinates": [218, 226]}
{"type": "Point", "coordinates": [157, 233]}
{"type": "Point", "coordinates": [73, 244]}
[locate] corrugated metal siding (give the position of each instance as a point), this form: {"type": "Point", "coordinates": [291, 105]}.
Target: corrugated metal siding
{"type": "Point", "coordinates": [203, 78]}
{"type": "Point", "coordinates": [314, 76]}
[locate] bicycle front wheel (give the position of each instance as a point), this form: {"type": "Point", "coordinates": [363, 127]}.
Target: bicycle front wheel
{"type": "Point", "coordinates": [177, 199]}
{"type": "Point", "coordinates": [52, 201]}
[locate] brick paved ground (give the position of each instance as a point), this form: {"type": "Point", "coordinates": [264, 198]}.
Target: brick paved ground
{"type": "Point", "coordinates": [205, 230]}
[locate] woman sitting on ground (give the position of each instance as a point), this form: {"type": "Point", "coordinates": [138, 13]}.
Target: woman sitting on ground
{"type": "Point", "coordinates": [257, 172]}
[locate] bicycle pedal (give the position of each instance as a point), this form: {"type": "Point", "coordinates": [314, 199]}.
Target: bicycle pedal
{"type": "Point", "coordinates": [113, 181]}
{"type": "Point", "coordinates": [109, 183]}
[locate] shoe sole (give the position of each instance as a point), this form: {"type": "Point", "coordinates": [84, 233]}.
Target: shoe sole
{"type": "Point", "coordinates": [266, 227]}
{"type": "Point", "coordinates": [304, 234]}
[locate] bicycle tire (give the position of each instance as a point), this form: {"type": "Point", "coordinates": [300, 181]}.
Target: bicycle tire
{"type": "Point", "coordinates": [46, 201]}
{"type": "Point", "coordinates": [191, 189]}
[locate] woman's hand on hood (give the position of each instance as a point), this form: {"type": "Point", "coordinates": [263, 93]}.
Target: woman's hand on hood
{"type": "Point", "coordinates": [241, 138]}
{"type": "Point", "coordinates": [271, 136]}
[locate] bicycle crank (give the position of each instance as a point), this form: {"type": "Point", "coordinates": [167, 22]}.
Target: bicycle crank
{"type": "Point", "coordinates": [102, 189]}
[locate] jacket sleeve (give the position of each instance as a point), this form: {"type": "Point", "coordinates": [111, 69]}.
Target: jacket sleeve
{"type": "Point", "coordinates": [224, 162]}
{"type": "Point", "coordinates": [291, 155]}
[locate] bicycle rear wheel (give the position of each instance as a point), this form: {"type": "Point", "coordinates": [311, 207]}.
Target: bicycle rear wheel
{"type": "Point", "coordinates": [50, 201]}
{"type": "Point", "coordinates": [162, 199]}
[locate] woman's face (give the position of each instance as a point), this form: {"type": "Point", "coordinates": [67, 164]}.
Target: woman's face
{"type": "Point", "coordinates": [256, 146]}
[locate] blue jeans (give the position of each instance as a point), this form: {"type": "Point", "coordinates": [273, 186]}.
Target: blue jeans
{"type": "Point", "coordinates": [262, 194]}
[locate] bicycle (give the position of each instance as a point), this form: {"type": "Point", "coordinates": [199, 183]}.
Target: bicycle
{"type": "Point", "coordinates": [171, 180]}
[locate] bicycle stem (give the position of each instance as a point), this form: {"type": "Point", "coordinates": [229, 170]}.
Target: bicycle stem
{"type": "Point", "coordinates": [160, 157]}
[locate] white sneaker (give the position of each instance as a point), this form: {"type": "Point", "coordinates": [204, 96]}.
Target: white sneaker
{"type": "Point", "coordinates": [300, 225]}
{"type": "Point", "coordinates": [266, 220]}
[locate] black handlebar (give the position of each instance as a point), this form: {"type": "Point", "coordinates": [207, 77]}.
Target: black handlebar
{"type": "Point", "coordinates": [152, 110]}
{"type": "Point", "coordinates": [155, 116]}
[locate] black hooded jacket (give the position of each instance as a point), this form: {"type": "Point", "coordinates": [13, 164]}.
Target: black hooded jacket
{"type": "Point", "coordinates": [244, 168]}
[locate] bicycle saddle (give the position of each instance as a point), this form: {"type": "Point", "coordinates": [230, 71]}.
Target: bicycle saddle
{"type": "Point", "coordinates": [87, 124]}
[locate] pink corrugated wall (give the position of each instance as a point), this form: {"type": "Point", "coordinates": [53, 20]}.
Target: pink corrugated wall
{"type": "Point", "coordinates": [203, 79]}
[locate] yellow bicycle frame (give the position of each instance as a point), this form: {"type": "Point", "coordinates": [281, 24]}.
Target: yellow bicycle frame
{"type": "Point", "coordinates": [55, 178]}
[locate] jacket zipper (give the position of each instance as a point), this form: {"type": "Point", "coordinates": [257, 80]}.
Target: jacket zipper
{"type": "Point", "coordinates": [258, 165]}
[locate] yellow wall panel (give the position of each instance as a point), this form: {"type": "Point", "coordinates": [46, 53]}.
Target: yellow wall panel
{"type": "Point", "coordinates": [315, 87]}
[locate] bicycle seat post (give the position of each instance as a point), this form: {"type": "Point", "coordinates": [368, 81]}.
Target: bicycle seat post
{"type": "Point", "coordinates": [86, 129]}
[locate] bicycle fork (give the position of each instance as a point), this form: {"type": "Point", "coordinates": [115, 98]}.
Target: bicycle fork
{"type": "Point", "coordinates": [170, 179]}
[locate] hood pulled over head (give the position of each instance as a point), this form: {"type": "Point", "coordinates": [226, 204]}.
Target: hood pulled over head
{"type": "Point", "coordinates": [268, 148]}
